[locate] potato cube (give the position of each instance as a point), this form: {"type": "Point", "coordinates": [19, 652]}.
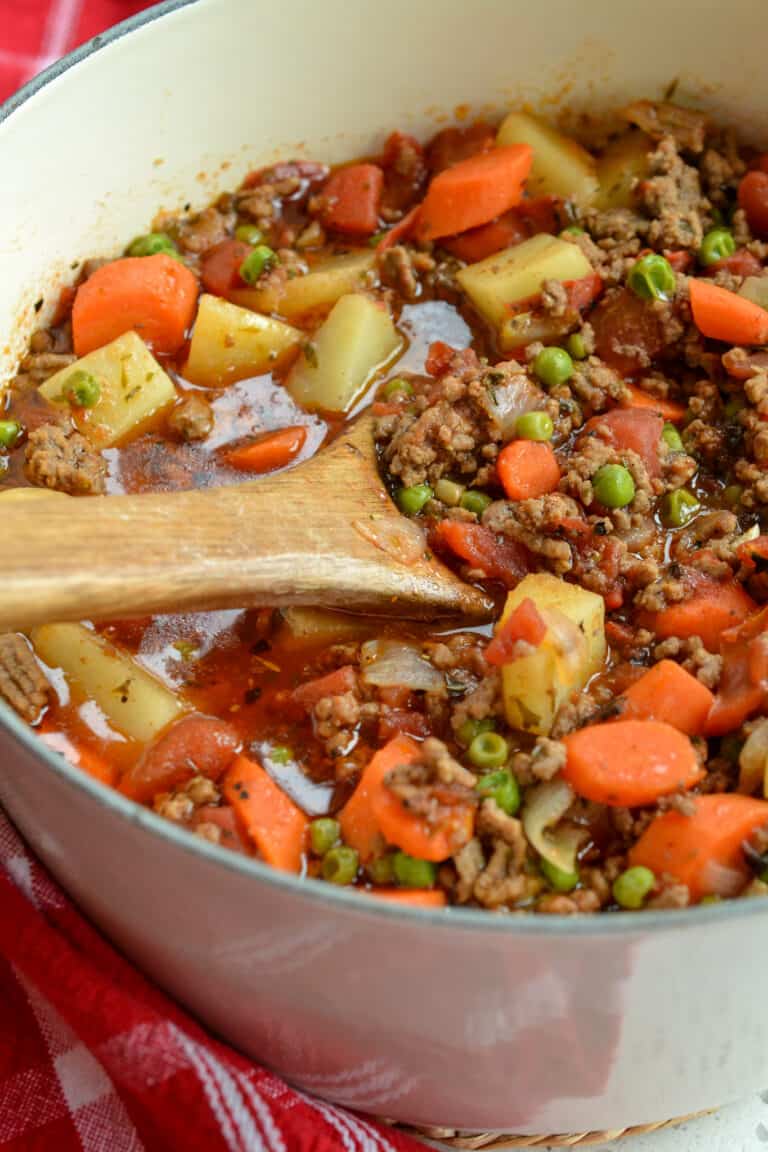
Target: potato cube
{"type": "Point", "coordinates": [319, 289]}
{"type": "Point", "coordinates": [230, 343]}
{"type": "Point", "coordinates": [561, 167]}
{"type": "Point", "coordinates": [623, 162]}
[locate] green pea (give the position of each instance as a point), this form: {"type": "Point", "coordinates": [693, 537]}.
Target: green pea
{"type": "Point", "coordinates": [474, 501]}
{"type": "Point", "coordinates": [678, 507]}
{"type": "Point", "coordinates": [340, 865]}
{"type": "Point", "coordinates": [410, 501]}
{"type": "Point", "coordinates": [652, 278]}
{"type": "Point", "coordinates": [488, 750]}
{"type": "Point", "coordinates": [573, 230]}
{"type": "Point", "coordinates": [82, 389]}
{"type": "Point", "coordinates": [732, 494]}
{"type": "Point", "coordinates": [716, 245]}
{"type": "Point", "coordinates": [10, 431]}
{"type": "Point", "coordinates": [713, 898]}
{"type": "Point", "coordinates": [413, 873]}
{"type": "Point", "coordinates": [281, 754]}
{"type": "Point", "coordinates": [324, 832]}
{"type": "Point", "coordinates": [631, 887]}
{"type": "Point", "coordinates": [576, 346]}
{"type": "Point", "coordinates": [558, 878]}
{"type": "Point", "coordinates": [382, 869]}
{"type": "Point", "coordinates": [501, 787]}
{"type": "Point", "coordinates": [671, 438]}
{"type": "Point", "coordinates": [553, 366]}
{"type": "Point", "coordinates": [151, 245]}
{"type": "Point", "coordinates": [249, 234]}
{"type": "Point", "coordinates": [534, 426]}
{"type": "Point", "coordinates": [471, 728]}
{"type": "Point", "coordinates": [449, 492]}
{"type": "Point", "coordinates": [397, 387]}
{"type": "Point", "coordinates": [613, 486]}
{"type": "Point", "coordinates": [256, 262]}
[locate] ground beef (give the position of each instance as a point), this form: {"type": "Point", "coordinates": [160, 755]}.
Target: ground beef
{"type": "Point", "coordinates": [400, 268]}
{"type": "Point", "coordinates": [433, 786]}
{"type": "Point", "coordinates": [671, 895]}
{"type": "Point", "coordinates": [64, 461]}
{"type": "Point", "coordinates": [538, 524]}
{"type": "Point", "coordinates": [694, 657]}
{"type": "Point", "coordinates": [482, 702]}
{"type": "Point", "coordinates": [38, 367]}
{"type": "Point", "coordinates": [596, 385]}
{"type": "Point", "coordinates": [191, 418]}
{"type": "Point", "coordinates": [313, 236]}
{"type": "Point", "coordinates": [336, 718]}
{"type": "Point", "coordinates": [201, 232]}
{"type": "Point", "coordinates": [659, 120]}
{"type": "Point", "coordinates": [673, 198]}
{"type": "Point", "coordinates": [22, 682]}
{"type": "Point", "coordinates": [180, 804]}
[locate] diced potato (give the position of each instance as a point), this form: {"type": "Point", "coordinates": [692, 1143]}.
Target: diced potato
{"type": "Point", "coordinates": [319, 626]}
{"type": "Point", "coordinates": [561, 167]}
{"type": "Point", "coordinates": [134, 388]}
{"type": "Point", "coordinates": [24, 495]}
{"type": "Point", "coordinates": [356, 340]}
{"type": "Point", "coordinates": [230, 343]}
{"type": "Point", "coordinates": [517, 273]}
{"type": "Point", "coordinates": [536, 686]}
{"type": "Point", "coordinates": [320, 288]}
{"type": "Point", "coordinates": [527, 327]}
{"type": "Point", "coordinates": [623, 162]}
{"type": "Point", "coordinates": [136, 703]}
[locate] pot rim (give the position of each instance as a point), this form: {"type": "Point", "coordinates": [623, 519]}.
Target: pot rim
{"type": "Point", "coordinates": [467, 919]}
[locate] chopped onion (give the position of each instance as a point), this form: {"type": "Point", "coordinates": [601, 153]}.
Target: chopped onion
{"type": "Point", "coordinates": [512, 399]}
{"type": "Point", "coordinates": [402, 539]}
{"type": "Point", "coordinates": [755, 288]}
{"type": "Point", "coordinates": [717, 880]}
{"type": "Point", "coordinates": [389, 664]}
{"type": "Point", "coordinates": [753, 761]}
{"type": "Point", "coordinates": [545, 805]}
{"type": "Point", "coordinates": [566, 636]}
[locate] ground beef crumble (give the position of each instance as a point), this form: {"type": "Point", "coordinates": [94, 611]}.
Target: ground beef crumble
{"type": "Point", "coordinates": [22, 682]}
{"type": "Point", "coordinates": [65, 461]}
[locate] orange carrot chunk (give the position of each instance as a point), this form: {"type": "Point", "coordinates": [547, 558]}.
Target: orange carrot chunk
{"type": "Point", "coordinates": [722, 315]}
{"type": "Point", "coordinates": [709, 608]}
{"type": "Point", "coordinates": [359, 824]}
{"type": "Point", "coordinates": [702, 849]}
{"type": "Point", "coordinates": [668, 693]}
{"type": "Point", "coordinates": [474, 191]}
{"type": "Point", "coordinates": [528, 468]}
{"type": "Point", "coordinates": [269, 452]}
{"type": "Point", "coordinates": [412, 897]}
{"type": "Point", "coordinates": [154, 296]}
{"type": "Point", "coordinates": [669, 409]}
{"type": "Point", "coordinates": [271, 819]}
{"type": "Point", "coordinates": [629, 762]}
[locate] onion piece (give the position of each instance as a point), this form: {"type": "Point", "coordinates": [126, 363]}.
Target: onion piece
{"type": "Point", "coordinates": [390, 664]}
{"type": "Point", "coordinates": [755, 288]}
{"type": "Point", "coordinates": [545, 805]}
{"type": "Point", "coordinates": [402, 539]}
{"type": "Point", "coordinates": [509, 400]}
{"type": "Point", "coordinates": [717, 880]}
{"type": "Point", "coordinates": [753, 761]}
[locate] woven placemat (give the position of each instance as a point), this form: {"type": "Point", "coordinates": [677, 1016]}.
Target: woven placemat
{"type": "Point", "coordinates": [496, 1141]}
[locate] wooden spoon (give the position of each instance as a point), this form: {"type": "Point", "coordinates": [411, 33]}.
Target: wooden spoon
{"type": "Point", "coordinates": [325, 533]}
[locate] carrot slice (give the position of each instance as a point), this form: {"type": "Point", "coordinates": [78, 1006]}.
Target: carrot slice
{"type": "Point", "coordinates": [710, 607]}
{"type": "Point", "coordinates": [528, 468]}
{"type": "Point", "coordinates": [629, 762]}
{"type": "Point", "coordinates": [194, 745]}
{"type": "Point", "coordinates": [696, 849]}
{"type": "Point", "coordinates": [413, 897]}
{"type": "Point", "coordinates": [668, 693]}
{"type": "Point", "coordinates": [271, 819]}
{"type": "Point", "coordinates": [722, 315]}
{"type": "Point", "coordinates": [155, 296]}
{"type": "Point", "coordinates": [269, 452]}
{"type": "Point", "coordinates": [352, 197]}
{"type": "Point", "coordinates": [474, 191]}
{"type": "Point", "coordinates": [666, 408]}
{"type": "Point", "coordinates": [359, 825]}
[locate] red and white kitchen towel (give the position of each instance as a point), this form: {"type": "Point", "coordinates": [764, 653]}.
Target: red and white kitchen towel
{"type": "Point", "coordinates": [94, 1058]}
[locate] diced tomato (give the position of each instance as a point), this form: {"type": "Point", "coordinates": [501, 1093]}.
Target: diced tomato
{"type": "Point", "coordinates": [220, 267]}
{"type": "Point", "coordinates": [397, 721]}
{"type": "Point", "coordinates": [352, 199]}
{"type": "Point", "coordinates": [405, 171]}
{"type": "Point", "coordinates": [224, 818]}
{"type": "Point", "coordinates": [754, 553]}
{"type": "Point", "coordinates": [623, 321]}
{"type": "Point", "coordinates": [193, 746]}
{"type": "Point", "coordinates": [680, 261]}
{"type": "Point", "coordinates": [743, 687]}
{"type": "Point", "coordinates": [581, 293]}
{"type": "Point", "coordinates": [525, 624]}
{"type": "Point", "coordinates": [634, 429]}
{"type": "Point", "coordinates": [499, 559]}
{"type": "Point", "coordinates": [741, 263]}
{"type": "Point", "coordinates": [439, 357]}
{"type": "Point", "coordinates": [334, 684]}
{"type": "Point", "coordinates": [753, 198]}
{"type": "Point", "coordinates": [454, 144]}
{"type": "Point", "coordinates": [528, 219]}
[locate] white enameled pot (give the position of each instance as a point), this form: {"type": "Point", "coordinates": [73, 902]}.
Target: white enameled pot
{"type": "Point", "coordinates": [449, 1018]}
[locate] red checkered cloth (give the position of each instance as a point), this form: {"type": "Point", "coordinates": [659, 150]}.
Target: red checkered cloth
{"type": "Point", "coordinates": [94, 1058]}
{"type": "Point", "coordinates": [37, 32]}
